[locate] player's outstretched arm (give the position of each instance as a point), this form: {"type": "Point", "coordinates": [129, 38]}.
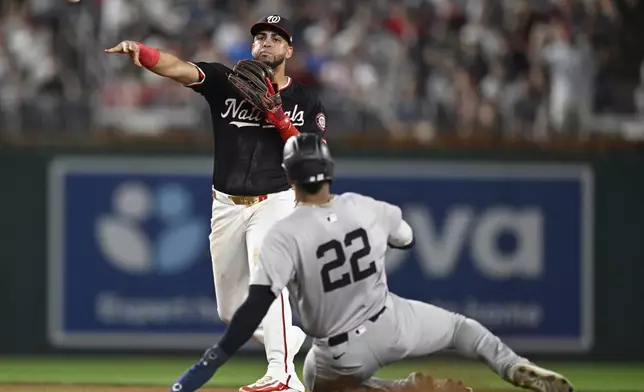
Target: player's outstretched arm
{"type": "Point", "coordinates": [244, 322]}
{"type": "Point", "coordinates": [158, 61]}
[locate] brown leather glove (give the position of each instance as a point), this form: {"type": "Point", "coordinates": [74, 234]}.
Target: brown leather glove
{"type": "Point", "coordinates": [255, 80]}
{"type": "Point", "coordinates": [419, 382]}
{"type": "Point", "coordinates": [415, 382]}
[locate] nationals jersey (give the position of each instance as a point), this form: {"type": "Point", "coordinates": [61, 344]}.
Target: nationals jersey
{"type": "Point", "coordinates": [332, 259]}
{"type": "Point", "coordinates": [247, 149]}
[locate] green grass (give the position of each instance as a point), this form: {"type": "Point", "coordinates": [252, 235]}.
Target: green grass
{"type": "Point", "coordinates": [162, 371]}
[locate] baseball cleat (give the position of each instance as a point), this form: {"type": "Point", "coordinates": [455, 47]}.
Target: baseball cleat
{"type": "Point", "coordinates": [273, 384]}
{"type": "Point", "coordinates": [267, 384]}
{"type": "Point", "coordinates": [535, 378]}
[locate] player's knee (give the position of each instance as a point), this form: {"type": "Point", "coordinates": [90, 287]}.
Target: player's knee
{"type": "Point", "coordinates": [225, 314]}
{"type": "Point", "coordinates": [457, 320]}
{"type": "Point", "coordinates": [228, 305]}
{"type": "Point", "coordinates": [467, 334]}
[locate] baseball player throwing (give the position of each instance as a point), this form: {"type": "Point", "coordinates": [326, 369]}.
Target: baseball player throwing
{"type": "Point", "coordinates": [330, 253]}
{"type": "Point", "coordinates": [255, 107]}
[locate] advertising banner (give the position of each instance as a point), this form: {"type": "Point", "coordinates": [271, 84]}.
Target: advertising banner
{"type": "Point", "coordinates": [510, 246]}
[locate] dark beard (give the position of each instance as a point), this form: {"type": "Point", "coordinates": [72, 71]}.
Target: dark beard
{"type": "Point", "coordinates": [275, 63]}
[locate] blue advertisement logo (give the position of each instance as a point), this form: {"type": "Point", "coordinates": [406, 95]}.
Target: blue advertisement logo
{"type": "Point", "coordinates": [130, 264]}
{"type": "Point", "coordinates": [126, 245]}
{"type": "Point", "coordinates": [510, 246]}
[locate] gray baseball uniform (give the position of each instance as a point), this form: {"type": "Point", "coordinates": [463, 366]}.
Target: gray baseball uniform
{"type": "Point", "coordinates": [331, 258]}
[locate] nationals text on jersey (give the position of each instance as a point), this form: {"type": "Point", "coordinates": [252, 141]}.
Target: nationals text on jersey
{"type": "Point", "coordinates": [251, 117]}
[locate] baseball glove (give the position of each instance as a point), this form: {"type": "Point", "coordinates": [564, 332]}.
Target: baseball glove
{"type": "Point", "coordinates": [419, 382]}
{"type": "Point", "coordinates": [255, 81]}
{"type": "Point", "coordinates": [415, 382]}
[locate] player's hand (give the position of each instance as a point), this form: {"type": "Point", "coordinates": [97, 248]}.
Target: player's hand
{"type": "Point", "coordinates": [200, 373]}
{"type": "Point", "coordinates": [130, 48]}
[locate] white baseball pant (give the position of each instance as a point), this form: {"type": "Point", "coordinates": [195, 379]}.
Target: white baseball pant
{"type": "Point", "coordinates": [235, 239]}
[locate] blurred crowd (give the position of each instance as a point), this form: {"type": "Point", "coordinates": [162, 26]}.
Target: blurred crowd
{"type": "Point", "coordinates": [420, 68]}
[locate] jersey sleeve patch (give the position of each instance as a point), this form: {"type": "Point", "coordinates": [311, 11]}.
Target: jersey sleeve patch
{"type": "Point", "coordinates": [320, 121]}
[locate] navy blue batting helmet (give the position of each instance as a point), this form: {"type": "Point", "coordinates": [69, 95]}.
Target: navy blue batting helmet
{"type": "Point", "coordinates": [307, 159]}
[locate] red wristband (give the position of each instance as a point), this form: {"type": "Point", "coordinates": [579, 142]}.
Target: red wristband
{"type": "Point", "coordinates": [148, 57]}
{"type": "Point", "coordinates": [282, 123]}
{"type": "Point", "coordinates": [288, 132]}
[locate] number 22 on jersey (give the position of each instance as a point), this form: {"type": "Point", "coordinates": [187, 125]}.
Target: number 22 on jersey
{"type": "Point", "coordinates": [352, 275]}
